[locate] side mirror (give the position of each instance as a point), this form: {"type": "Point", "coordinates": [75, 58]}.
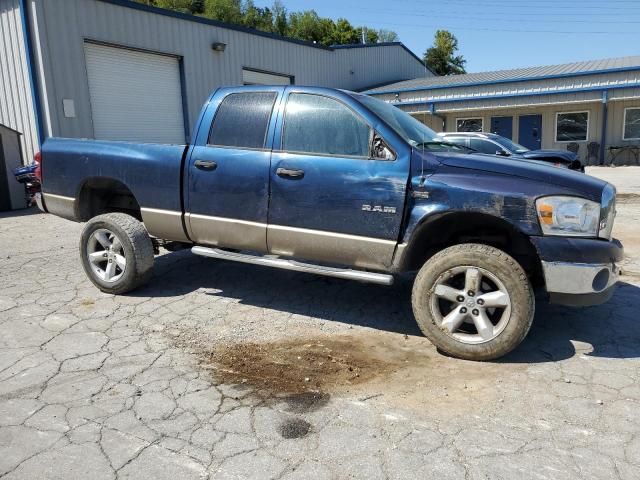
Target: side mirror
{"type": "Point", "coordinates": [381, 150]}
{"type": "Point", "coordinates": [502, 153]}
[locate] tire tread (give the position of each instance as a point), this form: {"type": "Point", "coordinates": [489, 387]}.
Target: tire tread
{"type": "Point", "coordinates": [503, 258]}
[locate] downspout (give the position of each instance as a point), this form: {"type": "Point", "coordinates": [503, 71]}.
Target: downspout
{"type": "Point", "coordinates": [432, 110]}
{"type": "Point", "coordinates": [603, 135]}
{"type": "Point", "coordinates": [25, 17]}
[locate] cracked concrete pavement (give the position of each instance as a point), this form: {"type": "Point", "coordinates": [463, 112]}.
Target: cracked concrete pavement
{"type": "Point", "coordinates": [96, 386]}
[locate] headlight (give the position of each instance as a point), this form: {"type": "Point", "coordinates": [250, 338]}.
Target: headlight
{"type": "Point", "coordinates": [608, 211]}
{"type": "Point", "coordinates": [568, 216]}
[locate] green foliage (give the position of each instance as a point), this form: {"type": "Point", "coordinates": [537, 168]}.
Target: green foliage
{"type": "Point", "coordinates": [303, 25]}
{"type": "Point", "coordinates": [387, 36]}
{"type": "Point", "coordinates": [229, 11]}
{"type": "Point", "coordinates": [280, 18]}
{"type": "Point", "coordinates": [441, 58]}
{"type": "Point", "coordinates": [183, 6]}
{"type": "Point", "coordinates": [197, 6]}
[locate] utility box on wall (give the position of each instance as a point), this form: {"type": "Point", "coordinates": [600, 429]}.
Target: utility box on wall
{"type": "Point", "coordinates": [12, 195]}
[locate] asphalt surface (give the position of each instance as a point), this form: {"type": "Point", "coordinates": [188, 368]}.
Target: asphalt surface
{"type": "Point", "coordinates": [340, 384]}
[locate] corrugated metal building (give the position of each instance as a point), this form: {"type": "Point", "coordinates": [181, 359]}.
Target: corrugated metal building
{"type": "Point", "coordinates": [594, 104]}
{"type": "Point", "coordinates": [115, 69]}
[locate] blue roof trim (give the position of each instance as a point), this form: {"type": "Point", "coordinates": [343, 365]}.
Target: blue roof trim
{"type": "Point", "coordinates": [506, 80]}
{"type": "Point", "coordinates": [512, 95]}
{"type": "Point", "coordinates": [25, 18]}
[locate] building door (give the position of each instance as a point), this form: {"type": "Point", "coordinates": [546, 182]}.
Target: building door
{"type": "Point", "coordinates": [502, 126]}
{"type": "Point", "coordinates": [530, 131]}
{"type": "Point", "coordinates": [135, 96]}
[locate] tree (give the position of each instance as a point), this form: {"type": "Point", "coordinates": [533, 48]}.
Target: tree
{"type": "Point", "coordinates": [344, 33]}
{"type": "Point", "coordinates": [258, 18]}
{"type": "Point", "coordinates": [304, 25]}
{"type": "Point", "coordinates": [441, 58]}
{"type": "Point", "coordinates": [387, 36]}
{"type": "Point", "coordinates": [309, 26]}
{"type": "Point", "coordinates": [183, 6]}
{"type": "Point", "coordinates": [229, 11]}
{"type": "Point", "coordinates": [280, 19]}
{"type": "Point", "coordinates": [197, 7]}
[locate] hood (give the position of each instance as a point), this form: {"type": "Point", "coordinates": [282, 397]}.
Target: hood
{"type": "Point", "coordinates": [581, 184]}
{"type": "Point", "coordinates": [563, 156]}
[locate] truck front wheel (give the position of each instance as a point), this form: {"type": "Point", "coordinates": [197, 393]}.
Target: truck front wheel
{"type": "Point", "coordinates": [116, 253]}
{"type": "Point", "coordinates": [473, 302]}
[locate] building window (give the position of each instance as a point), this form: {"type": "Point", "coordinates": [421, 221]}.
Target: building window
{"type": "Point", "coordinates": [468, 124]}
{"type": "Point", "coordinates": [572, 127]}
{"type": "Point", "coordinates": [242, 120]}
{"type": "Point", "coordinates": [631, 124]}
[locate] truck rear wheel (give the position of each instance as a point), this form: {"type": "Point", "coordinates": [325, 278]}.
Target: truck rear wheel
{"type": "Point", "coordinates": [116, 253]}
{"type": "Point", "coordinates": [473, 302]}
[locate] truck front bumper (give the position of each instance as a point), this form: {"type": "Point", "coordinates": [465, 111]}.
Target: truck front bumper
{"type": "Point", "coordinates": [577, 271]}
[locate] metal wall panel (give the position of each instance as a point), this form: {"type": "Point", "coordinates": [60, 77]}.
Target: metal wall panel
{"type": "Point", "coordinates": [64, 25]}
{"type": "Point", "coordinates": [16, 101]}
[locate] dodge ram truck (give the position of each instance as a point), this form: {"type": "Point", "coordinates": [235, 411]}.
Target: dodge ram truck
{"type": "Point", "coordinates": [337, 183]}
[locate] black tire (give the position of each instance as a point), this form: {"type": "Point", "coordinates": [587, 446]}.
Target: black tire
{"type": "Point", "coordinates": [136, 247]}
{"type": "Point", "coordinates": [505, 269]}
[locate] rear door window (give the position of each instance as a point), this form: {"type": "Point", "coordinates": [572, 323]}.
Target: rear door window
{"type": "Point", "coordinates": [323, 125]}
{"type": "Point", "coordinates": [242, 120]}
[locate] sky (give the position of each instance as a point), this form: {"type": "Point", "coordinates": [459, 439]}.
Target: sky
{"type": "Point", "coordinates": [499, 34]}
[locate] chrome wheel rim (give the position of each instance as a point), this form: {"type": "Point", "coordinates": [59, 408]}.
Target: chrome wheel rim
{"type": "Point", "coordinates": [105, 254]}
{"type": "Point", "coordinates": [470, 304]}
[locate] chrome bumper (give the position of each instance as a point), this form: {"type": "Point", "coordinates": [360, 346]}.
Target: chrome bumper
{"type": "Point", "coordinates": [580, 283]}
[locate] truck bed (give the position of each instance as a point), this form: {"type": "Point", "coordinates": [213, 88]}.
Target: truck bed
{"type": "Point", "coordinates": [152, 172]}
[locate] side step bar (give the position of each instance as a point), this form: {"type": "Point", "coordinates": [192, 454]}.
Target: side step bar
{"type": "Point", "coordinates": [379, 278]}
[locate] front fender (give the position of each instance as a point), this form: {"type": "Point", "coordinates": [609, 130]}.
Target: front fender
{"type": "Point", "coordinates": [490, 195]}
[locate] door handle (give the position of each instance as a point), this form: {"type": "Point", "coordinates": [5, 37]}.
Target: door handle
{"type": "Point", "coordinates": [208, 165]}
{"type": "Point", "coordinates": [290, 173]}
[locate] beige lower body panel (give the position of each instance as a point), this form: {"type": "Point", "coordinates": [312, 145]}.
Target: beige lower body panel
{"type": "Point", "coordinates": [165, 224]}
{"type": "Point", "coordinates": [227, 232]}
{"type": "Point", "coordinates": [60, 205]}
{"type": "Point", "coordinates": [330, 247]}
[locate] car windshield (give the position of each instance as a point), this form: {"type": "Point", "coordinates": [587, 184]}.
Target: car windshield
{"type": "Point", "coordinates": [412, 130]}
{"type": "Point", "coordinates": [513, 147]}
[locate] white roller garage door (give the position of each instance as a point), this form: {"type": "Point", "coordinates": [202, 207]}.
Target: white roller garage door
{"type": "Point", "coordinates": [135, 96]}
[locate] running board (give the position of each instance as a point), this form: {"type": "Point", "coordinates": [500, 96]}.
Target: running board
{"type": "Point", "coordinates": [379, 278]}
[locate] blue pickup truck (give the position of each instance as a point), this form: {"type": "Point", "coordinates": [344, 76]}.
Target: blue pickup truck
{"type": "Point", "coordinates": [341, 184]}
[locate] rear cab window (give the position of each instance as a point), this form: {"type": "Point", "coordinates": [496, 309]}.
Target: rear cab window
{"type": "Point", "coordinates": [242, 120]}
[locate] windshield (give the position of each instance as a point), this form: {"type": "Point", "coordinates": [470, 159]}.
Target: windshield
{"type": "Point", "coordinates": [513, 147]}
{"type": "Point", "coordinates": [412, 130]}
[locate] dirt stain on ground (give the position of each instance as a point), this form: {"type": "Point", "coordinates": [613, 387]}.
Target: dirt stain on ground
{"type": "Point", "coordinates": [301, 368]}
{"type": "Point", "coordinates": [303, 374]}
